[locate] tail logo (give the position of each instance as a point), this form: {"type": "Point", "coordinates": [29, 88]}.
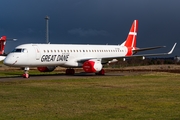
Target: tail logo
{"type": "Point", "coordinates": [131, 39]}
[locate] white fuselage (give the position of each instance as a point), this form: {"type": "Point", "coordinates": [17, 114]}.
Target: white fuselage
{"type": "Point", "coordinates": [65, 55]}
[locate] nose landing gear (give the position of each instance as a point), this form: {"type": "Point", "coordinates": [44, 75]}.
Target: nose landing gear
{"type": "Point", "coordinates": [26, 74]}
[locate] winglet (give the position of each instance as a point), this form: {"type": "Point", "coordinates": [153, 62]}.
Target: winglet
{"type": "Point", "coordinates": [172, 49]}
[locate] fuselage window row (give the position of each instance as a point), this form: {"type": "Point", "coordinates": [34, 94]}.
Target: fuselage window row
{"type": "Point", "coordinates": [83, 51]}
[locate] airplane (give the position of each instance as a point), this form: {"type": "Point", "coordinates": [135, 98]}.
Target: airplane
{"type": "Point", "coordinates": [2, 46]}
{"type": "Point", "coordinates": [46, 57]}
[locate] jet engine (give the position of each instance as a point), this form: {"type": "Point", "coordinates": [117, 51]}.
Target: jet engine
{"type": "Point", "coordinates": [92, 66]}
{"type": "Point", "coordinates": [46, 69]}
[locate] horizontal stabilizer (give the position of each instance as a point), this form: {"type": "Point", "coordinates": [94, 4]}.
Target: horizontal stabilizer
{"type": "Point", "coordinates": [148, 48]}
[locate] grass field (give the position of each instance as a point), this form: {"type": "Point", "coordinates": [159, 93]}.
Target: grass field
{"type": "Point", "coordinates": [149, 96]}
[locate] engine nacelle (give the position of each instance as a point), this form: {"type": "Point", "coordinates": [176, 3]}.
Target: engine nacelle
{"type": "Point", "coordinates": [46, 69]}
{"type": "Point", "coordinates": [92, 66]}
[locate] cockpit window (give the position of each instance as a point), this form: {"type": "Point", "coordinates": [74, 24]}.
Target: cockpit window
{"type": "Point", "coordinates": [18, 50]}
{"type": "Point", "coordinates": [24, 50]}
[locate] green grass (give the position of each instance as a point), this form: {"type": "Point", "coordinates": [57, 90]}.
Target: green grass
{"type": "Point", "coordinates": [148, 96]}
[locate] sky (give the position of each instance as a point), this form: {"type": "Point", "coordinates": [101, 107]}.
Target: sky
{"type": "Point", "coordinates": [91, 22]}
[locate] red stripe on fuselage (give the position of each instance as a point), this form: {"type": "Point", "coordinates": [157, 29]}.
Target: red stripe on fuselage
{"type": "Point", "coordinates": [129, 51]}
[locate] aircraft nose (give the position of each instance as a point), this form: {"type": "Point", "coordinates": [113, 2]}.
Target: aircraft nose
{"type": "Point", "coordinates": [9, 61]}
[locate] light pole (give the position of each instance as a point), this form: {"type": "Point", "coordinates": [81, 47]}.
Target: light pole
{"type": "Point", "coordinates": [47, 29]}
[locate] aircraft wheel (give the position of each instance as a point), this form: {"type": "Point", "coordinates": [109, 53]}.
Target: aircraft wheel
{"type": "Point", "coordinates": [67, 71]}
{"type": "Point", "coordinates": [102, 72]}
{"type": "Point", "coordinates": [70, 71]}
{"type": "Point", "coordinates": [25, 75]}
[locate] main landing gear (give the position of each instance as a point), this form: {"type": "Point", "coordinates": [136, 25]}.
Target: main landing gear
{"type": "Point", "coordinates": [26, 74]}
{"type": "Point", "coordinates": [102, 72]}
{"type": "Point", "coordinates": [70, 71]}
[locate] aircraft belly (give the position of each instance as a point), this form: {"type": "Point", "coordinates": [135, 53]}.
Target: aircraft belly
{"type": "Point", "coordinates": [50, 63]}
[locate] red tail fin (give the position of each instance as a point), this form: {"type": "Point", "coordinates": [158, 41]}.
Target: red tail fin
{"type": "Point", "coordinates": [2, 44]}
{"type": "Point", "coordinates": [131, 39]}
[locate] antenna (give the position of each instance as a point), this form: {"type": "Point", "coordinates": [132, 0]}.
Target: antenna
{"type": "Point", "coordinates": [47, 29]}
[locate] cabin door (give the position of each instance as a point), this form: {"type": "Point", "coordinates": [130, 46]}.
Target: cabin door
{"type": "Point", "coordinates": [37, 51]}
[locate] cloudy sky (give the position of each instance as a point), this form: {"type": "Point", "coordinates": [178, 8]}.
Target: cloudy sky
{"type": "Point", "coordinates": [91, 21]}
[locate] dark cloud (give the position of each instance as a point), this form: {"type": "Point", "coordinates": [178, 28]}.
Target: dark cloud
{"type": "Point", "coordinates": [87, 33]}
{"type": "Point", "coordinates": [91, 21]}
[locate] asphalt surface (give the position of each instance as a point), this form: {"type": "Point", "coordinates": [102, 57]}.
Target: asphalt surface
{"type": "Point", "coordinates": [63, 76]}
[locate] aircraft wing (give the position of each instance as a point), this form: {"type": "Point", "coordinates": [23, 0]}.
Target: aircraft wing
{"type": "Point", "coordinates": [144, 55]}
{"type": "Point", "coordinates": [106, 59]}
